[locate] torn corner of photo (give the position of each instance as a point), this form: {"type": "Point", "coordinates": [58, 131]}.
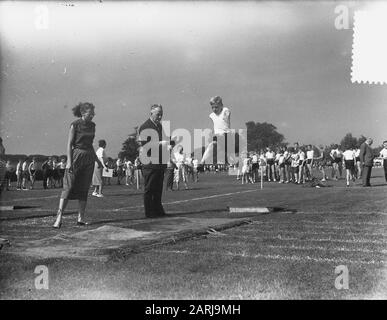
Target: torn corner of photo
{"type": "Point", "coordinates": [369, 50]}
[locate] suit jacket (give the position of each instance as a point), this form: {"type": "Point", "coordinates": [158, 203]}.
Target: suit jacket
{"type": "Point", "coordinates": [366, 155]}
{"type": "Point", "coordinates": [149, 124]}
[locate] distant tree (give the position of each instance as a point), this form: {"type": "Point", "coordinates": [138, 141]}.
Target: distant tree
{"type": "Point", "coordinates": [348, 141]}
{"type": "Point", "coordinates": [262, 135]}
{"type": "Point", "coordinates": [130, 147]}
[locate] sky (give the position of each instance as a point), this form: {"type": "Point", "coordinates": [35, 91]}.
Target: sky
{"type": "Point", "coordinates": [279, 62]}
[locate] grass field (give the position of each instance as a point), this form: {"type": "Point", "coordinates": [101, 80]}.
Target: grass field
{"type": "Point", "coordinates": [281, 255]}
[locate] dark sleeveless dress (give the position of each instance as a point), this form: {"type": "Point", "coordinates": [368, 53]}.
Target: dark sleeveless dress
{"type": "Point", "coordinates": [76, 184]}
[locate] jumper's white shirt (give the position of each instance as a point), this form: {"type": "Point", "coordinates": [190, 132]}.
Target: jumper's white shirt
{"type": "Point", "coordinates": [221, 121]}
{"type": "Point", "coordinates": [349, 155]}
{"type": "Point", "coordinates": [310, 154]}
{"type": "Point", "coordinates": [270, 155]}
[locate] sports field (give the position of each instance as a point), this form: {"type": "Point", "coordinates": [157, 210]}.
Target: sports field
{"type": "Point", "coordinates": [288, 254]}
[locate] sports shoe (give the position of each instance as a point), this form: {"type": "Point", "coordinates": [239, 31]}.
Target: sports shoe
{"type": "Point", "coordinates": [99, 195]}
{"type": "Point", "coordinates": [94, 194]}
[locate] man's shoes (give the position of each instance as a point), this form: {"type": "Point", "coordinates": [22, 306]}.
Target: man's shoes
{"type": "Point", "coordinates": [155, 216]}
{"type": "Point", "coordinates": [82, 223]}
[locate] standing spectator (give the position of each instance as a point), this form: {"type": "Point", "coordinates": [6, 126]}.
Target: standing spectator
{"type": "Point", "coordinates": [246, 168]}
{"type": "Point", "coordinates": [254, 167]}
{"type": "Point", "coordinates": [110, 166]}
{"type": "Point", "coordinates": [2, 149]}
{"type": "Point", "coordinates": [55, 172]}
{"type": "Point", "coordinates": [281, 165]}
{"type": "Point", "coordinates": [301, 165]}
{"type": "Point", "coordinates": [322, 163]}
{"type": "Point", "coordinates": [288, 163]}
{"type": "Point", "coordinates": [97, 174]}
{"type": "Point", "coordinates": [270, 169]}
{"type": "Point", "coordinates": [349, 160]}
{"type": "Point", "coordinates": [8, 174]}
{"type": "Point", "coordinates": [62, 169]}
{"type": "Point", "coordinates": [295, 164]}
{"type": "Point", "coordinates": [180, 172]}
{"type": "Point", "coordinates": [367, 161]}
{"type": "Point", "coordinates": [136, 170]}
{"type": "Point", "coordinates": [336, 156]}
{"type": "Point", "coordinates": [120, 169]}
{"type": "Point", "coordinates": [46, 172]}
{"type": "Point", "coordinates": [32, 168]}
{"type": "Point", "coordinates": [383, 155]}
{"type": "Point", "coordinates": [153, 172]}
{"type": "Point", "coordinates": [19, 174]}
{"type": "Point", "coordinates": [3, 169]}
{"type": "Point", "coordinates": [170, 174]}
{"type": "Point", "coordinates": [195, 169]}
{"type": "Point", "coordinates": [80, 162]}
{"type": "Point", "coordinates": [129, 172]}
{"type": "Point", "coordinates": [309, 161]}
{"type": "Point", "coordinates": [358, 163]}
{"type": "Point", "coordinates": [25, 174]}
{"type": "Point", "coordinates": [50, 173]}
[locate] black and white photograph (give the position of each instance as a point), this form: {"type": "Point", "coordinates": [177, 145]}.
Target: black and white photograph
{"type": "Point", "coordinates": [210, 152]}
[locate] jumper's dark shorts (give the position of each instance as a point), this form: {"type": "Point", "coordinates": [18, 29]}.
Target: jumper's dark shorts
{"type": "Point", "coordinates": [349, 164]}
{"type": "Point", "coordinates": [76, 184]}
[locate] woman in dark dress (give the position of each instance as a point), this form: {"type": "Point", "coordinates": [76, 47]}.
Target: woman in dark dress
{"type": "Point", "coordinates": [80, 162]}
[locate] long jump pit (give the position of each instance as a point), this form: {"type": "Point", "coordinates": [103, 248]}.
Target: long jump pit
{"type": "Point", "coordinates": [117, 240]}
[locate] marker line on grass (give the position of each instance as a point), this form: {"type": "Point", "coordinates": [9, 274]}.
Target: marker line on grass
{"type": "Point", "coordinates": [280, 238]}
{"type": "Point", "coordinates": [278, 257]}
{"type": "Point", "coordinates": [311, 222]}
{"type": "Point", "coordinates": [317, 248]}
{"type": "Point", "coordinates": [192, 199]}
{"type": "Point", "coordinates": [349, 234]}
{"type": "Point", "coordinates": [29, 199]}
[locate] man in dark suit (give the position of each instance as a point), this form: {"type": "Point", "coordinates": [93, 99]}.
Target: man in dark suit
{"type": "Point", "coordinates": [367, 161]}
{"type": "Point", "coordinates": [153, 165]}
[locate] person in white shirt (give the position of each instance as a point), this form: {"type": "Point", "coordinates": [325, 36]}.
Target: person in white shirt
{"type": "Point", "coordinates": [119, 169]}
{"type": "Point", "coordinates": [129, 172]}
{"type": "Point", "coordinates": [295, 164]}
{"type": "Point", "coordinates": [19, 174]}
{"type": "Point", "coordinates": [195, 163]}
{"type": "Point", "coordinates": [270, 160]}
{"type": "Point", "coordinates": [246, 161]}
{"type": "Point", "coordinates": [254, 167]}
{"type": "Point", "coordinates": [97, 175]}
{"type": "Point", "coordinates": [180, 172]}
{"type": "Point", "coordinates": [288, 163]}
{"type": "Point", "coordinates": [281, 165]}
{"type": "Point", "coordinates": [220, 117]}
{"type": "Point", "coordinates": [337, 159]}
{"type": "Point", "coordinates": [276, 163]}
{"type": "Point", "coordinates": [358, 163]}
{"type": "Point", "coordinates": [188, 166]}
{"type": "Point", "coordinates": [383, 154]}
{"type": "Point", "coordinates": [25, 174]}
{"type": "Point", "coordinates": [349, 160]}
{"type": "Point", "coordinates": [309, 161]}
{"type": "Point", "coordinates": [262, 165]}
{"type": "Point", "coordinates": [32, 168]}
{"type": "Point", "coordinates": [301, 165]}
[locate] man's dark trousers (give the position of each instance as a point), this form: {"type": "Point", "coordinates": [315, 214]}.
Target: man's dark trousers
{"type": "Point", "coordinates": [153, 189]}
{"type": "Point", "coordinates": [385, 168]}
{"type": "Point", "coordinates": [366, 175]}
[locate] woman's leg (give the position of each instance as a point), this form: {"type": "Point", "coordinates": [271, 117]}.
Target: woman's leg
{"type": "Point", "coordinates": [62, 207]}
{"type": "Point", "coordinates": [348, 174]}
